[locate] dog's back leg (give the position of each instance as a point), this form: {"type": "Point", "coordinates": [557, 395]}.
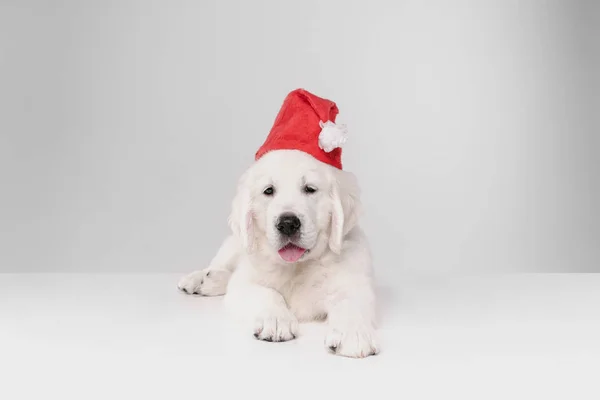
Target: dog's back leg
{"type": "Point", "coordinates": [212, 281]}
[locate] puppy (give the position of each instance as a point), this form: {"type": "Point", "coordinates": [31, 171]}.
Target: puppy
{"type": "Point", "coordinates": [296, 254]}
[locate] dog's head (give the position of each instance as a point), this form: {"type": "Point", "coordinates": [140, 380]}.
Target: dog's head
{"type": "Point", "coordinates": [292, 208]}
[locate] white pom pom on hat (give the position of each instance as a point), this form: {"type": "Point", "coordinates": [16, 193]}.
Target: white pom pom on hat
{"type": "Point", "coordinates": [332, 136]}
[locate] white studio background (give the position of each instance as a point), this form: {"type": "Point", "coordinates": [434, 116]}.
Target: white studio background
{"type": "Point", "coordinates": [124, 126]}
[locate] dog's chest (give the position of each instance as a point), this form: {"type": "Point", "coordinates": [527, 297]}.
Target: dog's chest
{"type": "Point", "coordinates": [305, 292]}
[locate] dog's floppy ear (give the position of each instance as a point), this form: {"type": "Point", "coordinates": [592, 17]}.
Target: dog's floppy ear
{"type": "Point", "coordinates": [241, 219]}
{"type": "Point", "coordinates": [345, 197]}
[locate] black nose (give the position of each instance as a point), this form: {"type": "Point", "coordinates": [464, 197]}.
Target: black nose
{"type": "Point", "coordinates": [288, 224]}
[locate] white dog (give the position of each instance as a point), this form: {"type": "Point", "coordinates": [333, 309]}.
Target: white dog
{"type": "Point", "coordinates": [297, 254]}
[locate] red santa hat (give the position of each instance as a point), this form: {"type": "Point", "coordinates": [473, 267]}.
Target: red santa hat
{"type": "Point", "coordinates": [306, 122]}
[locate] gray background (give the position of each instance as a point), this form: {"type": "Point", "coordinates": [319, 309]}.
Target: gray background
{"type": "Point", "coordinates": [474, 127]}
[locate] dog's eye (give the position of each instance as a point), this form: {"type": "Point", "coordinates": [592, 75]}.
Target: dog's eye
{"type": "Point", "coordinates": [269, 191]}
{"type": "Point", "coordinates": [309, 189]}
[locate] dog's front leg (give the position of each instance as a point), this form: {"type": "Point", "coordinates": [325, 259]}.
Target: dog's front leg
{"type": "Point", "coordinates": [263, 309]}
{"type": "Point", "coordinates": [351, 320]}
{"type": "Point", "coordinates": [213, 280]}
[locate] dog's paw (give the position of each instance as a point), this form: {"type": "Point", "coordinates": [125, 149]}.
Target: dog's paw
{"type": "Point", "coordinates": [355, 342]}
{"type": "Point", "coordinates": [276, 327]}
{"type": "Point", "coordinates": [208, 282]}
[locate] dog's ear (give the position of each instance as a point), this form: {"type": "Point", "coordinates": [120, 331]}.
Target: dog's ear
{"type": "Point", "coordinates": [346, 207]}
{"type": "Point", "coordinates": [241, 219]}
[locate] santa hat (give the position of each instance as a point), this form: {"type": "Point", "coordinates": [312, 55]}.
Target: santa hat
{"type": "Point", "coordinates": [306, 122]}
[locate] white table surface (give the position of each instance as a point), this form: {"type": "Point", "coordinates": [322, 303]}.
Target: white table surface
{"type": "Point", "coordinates": [86, 336]}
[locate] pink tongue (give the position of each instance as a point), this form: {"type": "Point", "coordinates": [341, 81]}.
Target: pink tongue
{"type": "Point", "coordinates": [291, 252]}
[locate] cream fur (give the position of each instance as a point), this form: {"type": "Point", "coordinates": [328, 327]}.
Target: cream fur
{"type": "Point", "coordinates": [333, 280]}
